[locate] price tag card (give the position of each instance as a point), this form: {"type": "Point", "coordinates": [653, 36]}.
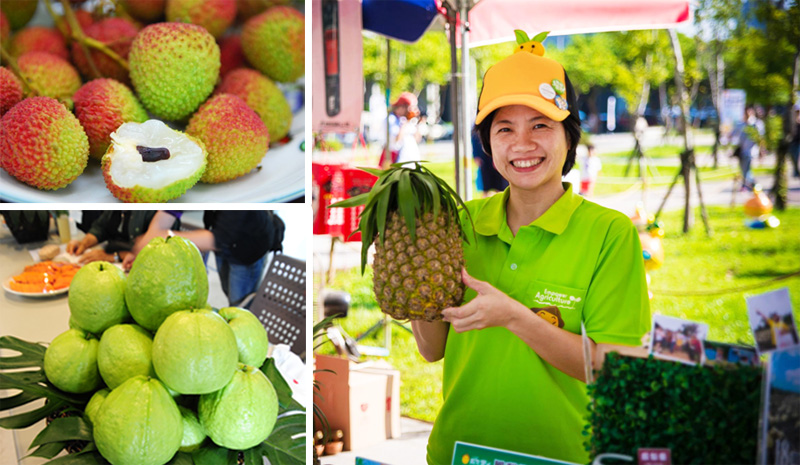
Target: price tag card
{"type": "Point", "coordinates": [473, 454]}
{"type": "Point", "coordinates": [651, 456]}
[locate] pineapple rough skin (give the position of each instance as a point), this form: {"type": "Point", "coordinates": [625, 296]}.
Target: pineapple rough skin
{"type": "Point", "coordinates": [418, 279]}
{"type": "Point", "coordinates": [43, 144]}
{"type": "Point", "coordinates": [174, 68]}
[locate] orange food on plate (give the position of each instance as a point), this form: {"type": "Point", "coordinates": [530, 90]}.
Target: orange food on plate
{"type": "Point", "coordinates": [44, 277]}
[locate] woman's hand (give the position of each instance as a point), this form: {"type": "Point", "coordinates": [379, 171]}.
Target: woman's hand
{"type": "Point", "coordinates": [490, 308]}
{"type": "Point", "coordinates": [95, 255]}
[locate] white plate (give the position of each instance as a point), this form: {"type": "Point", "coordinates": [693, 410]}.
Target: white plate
{"type": "Point", "coordinates": [280, 179]}
{"type": "Point", "coordinates": [7, 287]}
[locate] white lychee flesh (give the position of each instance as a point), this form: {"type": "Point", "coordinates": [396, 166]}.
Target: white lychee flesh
{"type": "Point", "coordinates": [129, 170]}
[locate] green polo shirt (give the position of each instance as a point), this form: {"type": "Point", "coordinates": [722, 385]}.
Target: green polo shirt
{"type": "Point", "coordinates": [578, 256]}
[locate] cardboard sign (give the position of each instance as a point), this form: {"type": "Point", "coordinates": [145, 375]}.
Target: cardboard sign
{"type": "Point", "coordinates": [472, 454]}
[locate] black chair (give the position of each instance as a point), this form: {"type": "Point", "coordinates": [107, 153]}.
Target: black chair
{"type": "Point", "coordinates": [280, 303]}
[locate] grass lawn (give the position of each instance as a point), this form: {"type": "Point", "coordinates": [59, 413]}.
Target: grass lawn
{"type": "Point", "coordinates": [734, 257]}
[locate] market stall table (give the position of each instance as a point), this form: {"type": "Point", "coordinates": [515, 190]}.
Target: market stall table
{"type": "Point", "coordinates": [38, 319]}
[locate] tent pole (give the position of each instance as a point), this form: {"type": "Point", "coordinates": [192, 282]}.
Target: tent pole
{"type": "Point", "coordinates": [388, 92]}
{"type": "Point", "coordinates": [454, 87]}
{"type": "Point", "coordinates": [466, 108]}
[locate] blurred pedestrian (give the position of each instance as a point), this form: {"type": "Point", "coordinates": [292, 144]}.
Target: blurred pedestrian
{"type": "Point", "coordinates": [403, 135]}
{"type": "Point", "coordinates": [747, 133]}
{"type": "Point", "coordinates": [590, 169]}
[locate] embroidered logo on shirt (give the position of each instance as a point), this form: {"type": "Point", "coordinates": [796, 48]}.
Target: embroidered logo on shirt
{"type": "Point", "coordinates": [548, 297]}
{"type": "Point", "coordinates": [550, 314]}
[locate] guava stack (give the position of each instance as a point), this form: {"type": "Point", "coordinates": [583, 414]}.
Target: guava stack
{"type": "Point", "coordinates": [167, 372]}
{"type": "Point", "coordinates": [157, 60]}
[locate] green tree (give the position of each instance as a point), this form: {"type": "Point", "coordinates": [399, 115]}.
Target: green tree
{"type": "Point", "coordinates": [412, 65]}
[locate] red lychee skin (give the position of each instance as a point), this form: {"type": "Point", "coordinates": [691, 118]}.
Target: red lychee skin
{"type": "Point", "coordinates": [117, 34]}
{"type": "Point", "coordinates": [10, 90]}
{"type": "Point", "coordinates": [231, 55]}
{"type": "Point", "coordinates": [214, 15]}
{"type": "Point", "coordinates": [273, 43]}
{"type": "Point", "coordinates": [234, 135]}
{"type": "Point", "coordinates": [84, 18]}
{"type": "Point", "coordinates": [38, 39]}
{"type": "Point", "coordinates": [102, 105]}
{"type": "Point", "coordinates": [49, 75]}
{"type": "Point", "coordinates": [43, 143]}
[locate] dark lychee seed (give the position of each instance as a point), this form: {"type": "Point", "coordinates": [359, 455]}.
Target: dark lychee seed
{"type": "Point", "coordinates": [151, 154]}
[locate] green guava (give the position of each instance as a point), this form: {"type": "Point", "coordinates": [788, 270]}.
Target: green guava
{"type": "Point", "coordinates": [97, 297]}
{"type": "Point", "coordinates": [168, 275]}
{"type": "Point", "coordinates": [243, 413]}
{"type": "Point", "coordinates": [124, 352]}
{"type": "Point", "coordinates": [193, 431]}
{"type": "Point", "coordinates": [70, 362]}
{"type": "Point", "coordinates": [93, 407]}
{"type": "Point", "coordinates": [194, 352]}
{"type": "Point", "coordinates": [138, 424]}
{"type": "Point", "coordinates": [251, 336]}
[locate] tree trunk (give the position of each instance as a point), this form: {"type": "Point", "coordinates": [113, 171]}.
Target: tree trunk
{"type": "Point", "coordinates": [780, 184]}
{"type": "Point", "coordinates": [685, 131]}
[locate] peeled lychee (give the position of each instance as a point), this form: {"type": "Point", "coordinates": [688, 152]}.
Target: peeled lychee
{"type": "Point", "coordinates": [150, 162]}
{"type": "Point", "coordinates": [274, 43]}
{"type": "Point", "coordinates": [103, 105]}
{"type": "Point", "coordinates": [214, 15]}
{"type": "Point", "coordinates": [174, 68]}
{"type": "Point", "coordinates": [42, 143]}
{"type": "Point", "coordinates": [38, 39]}
{"type": "Point", "coordinates": [263, 96]}
{"type": "Point", "coordinates": [50, 75]}
{"type": "Point", "coordinates": [117, 34]}
{"type": "Point", "coordinates": [10, 90]}
{"type": "Point", "coordinates": [234, 135]}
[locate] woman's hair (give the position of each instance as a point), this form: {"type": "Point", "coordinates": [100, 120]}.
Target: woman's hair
{"type": "Point", "coordinates": [572, 128]}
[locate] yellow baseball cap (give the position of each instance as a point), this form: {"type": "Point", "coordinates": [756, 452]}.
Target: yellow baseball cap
{"type": "Point", "coordinates": [525, 79]}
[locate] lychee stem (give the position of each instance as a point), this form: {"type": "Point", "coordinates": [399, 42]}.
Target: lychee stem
{"type": "Point", "coordinates": [27, 88]}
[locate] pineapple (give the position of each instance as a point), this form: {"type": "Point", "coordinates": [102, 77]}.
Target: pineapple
{"type": "Point", "coordinates": [412, 217]}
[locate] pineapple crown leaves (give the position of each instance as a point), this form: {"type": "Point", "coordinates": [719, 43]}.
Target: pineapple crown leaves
{"type": "Point", "coordinates": [409, 191]}
{"type": "Point", "coordinates": [522, 36]}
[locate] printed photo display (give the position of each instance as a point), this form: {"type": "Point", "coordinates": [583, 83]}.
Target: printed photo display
{"type": "Point", "coordinates": [677, 339]}
{"type": "Point", "coordinates": [771, 320]}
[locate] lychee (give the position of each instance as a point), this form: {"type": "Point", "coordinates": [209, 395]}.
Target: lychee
{"type": "Point", "coordinates": [19, 12]}
{"type": "Point", "coordinates": [38, 39]}
{"type": "Point", "coordinates": [145, 10]}
{"type": "Point", "coordinates": [50, 75]}
{"type": "Point", "coordinates": [42, 143]}
{"type": "Point", "coordinates": [103, 105]}
{"type": "Point", "coordinates": [174, 68]}
{"type": "Point", "coordinates": [10, 90]}
{"type": "Point", "coordinates": [235, 137]}
{"type": "Point", "coordinates": [150, 162]}
{"type": "Point", "coordinates": [249, 8]}
{"type": "Point", "coordinates": [214, 15]}
{"type": "Point", "coordinates": [263, 96]}
{"type": "Point", "coordinates": [5, 30]}
{"type": "Point", "coordinates": [117, 34]}
{"type": "Point", "coordinates": [274, 43]}
{"type": "Point", "coordinates": [231, 55]}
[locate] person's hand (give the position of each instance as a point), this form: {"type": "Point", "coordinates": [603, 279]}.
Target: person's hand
{"type": "Point", "coordinates": [72, 246]}
{"type": "Point", "coordinates": [490, 308]}
{"type": "Point", "coordinates": [95, 255]}
{"type": "Point", "coordinates": [127, 261]}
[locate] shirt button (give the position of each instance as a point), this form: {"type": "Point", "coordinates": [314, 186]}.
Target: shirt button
{"type": "Point", "coordinates": [513, 266]}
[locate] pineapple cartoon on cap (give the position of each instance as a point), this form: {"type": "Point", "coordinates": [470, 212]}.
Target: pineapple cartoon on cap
{"type": "Point", "coordinates": [526, 44]}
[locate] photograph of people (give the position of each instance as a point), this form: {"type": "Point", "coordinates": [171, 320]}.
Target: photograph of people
{"type": "Point", "coordinates": [540, 260]}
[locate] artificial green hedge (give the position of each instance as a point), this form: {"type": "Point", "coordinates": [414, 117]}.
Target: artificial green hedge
{"type": "Point", "coordinates": [703, 414]}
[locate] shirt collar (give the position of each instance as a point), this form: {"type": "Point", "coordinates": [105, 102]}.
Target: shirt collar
{"type": "Point", "coordinates": [492, 219]}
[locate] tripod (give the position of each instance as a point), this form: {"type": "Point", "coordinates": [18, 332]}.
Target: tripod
{"type": "Point", "coordinates": [687, 166]}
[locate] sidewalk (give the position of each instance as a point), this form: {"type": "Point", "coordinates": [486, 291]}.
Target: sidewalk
{"type": "Point", "coordinates": [409, 449]}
